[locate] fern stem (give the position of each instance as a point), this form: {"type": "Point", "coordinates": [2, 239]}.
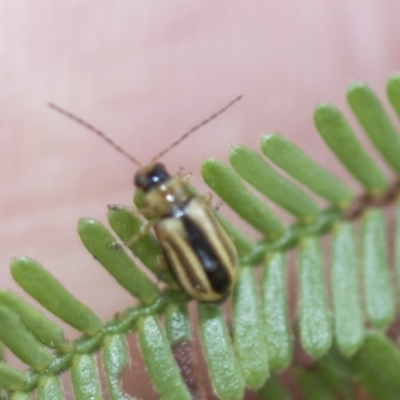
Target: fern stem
{"type": "Point", "coordinates": [122, 324]}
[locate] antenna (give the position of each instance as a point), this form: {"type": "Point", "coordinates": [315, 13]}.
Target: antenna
{"type": "Point", "coordinates": [96, 131]}
{"type": "Point", "coordinates": [121, 150]}
{"type": "Point", "coordinates": [195, 128]}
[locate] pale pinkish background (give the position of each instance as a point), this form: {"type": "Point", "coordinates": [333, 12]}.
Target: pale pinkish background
{"type": "Point", "coordinates": [144, 72]}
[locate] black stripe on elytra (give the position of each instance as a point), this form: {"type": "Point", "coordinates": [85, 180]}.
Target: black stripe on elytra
{"type": "Point", "coordinates": [191, 274]}
{"type": "Point", "coordinates": [214, 269]}
{"type": "Point", "coordinates": [224, 239]}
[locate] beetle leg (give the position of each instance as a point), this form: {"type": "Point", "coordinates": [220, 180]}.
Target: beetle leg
{"type": "Point", "coordinates": [180, 170]}
{"type": "Point", "coordinates": [144, 229]}
{"type": "Point", "coordinates": [142, 212]}
{"type": "Point", "coordinates": [118, 207]}
{"type": "Point", "coordinates": [207, 197]}
{"type": "Point", "coordinates": [218, 206]}
{"type": "Point", "coordinates": [187, 179]}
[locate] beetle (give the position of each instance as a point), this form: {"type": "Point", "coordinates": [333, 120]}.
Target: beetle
{"type": "Point", "coordinates": [199, 253]}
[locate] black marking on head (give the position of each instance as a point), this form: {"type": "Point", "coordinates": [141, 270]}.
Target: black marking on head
{"type": "Point", "coordinates": [152, 177]}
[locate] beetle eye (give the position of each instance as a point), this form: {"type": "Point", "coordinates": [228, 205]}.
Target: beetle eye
{"type": "Point", "coordinates": [151, 178]}
{"type": "Point", "coordinates": [140, 180]}
{"type": "Point", "coordinates": [158, 174]}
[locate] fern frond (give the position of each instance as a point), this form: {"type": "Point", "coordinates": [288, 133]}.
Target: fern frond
{"type": "Point", "coordinates": [340, 327]}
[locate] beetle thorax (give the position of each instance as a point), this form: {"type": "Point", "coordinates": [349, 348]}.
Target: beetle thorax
{"type": "Point", "coordinates": [166, 197]}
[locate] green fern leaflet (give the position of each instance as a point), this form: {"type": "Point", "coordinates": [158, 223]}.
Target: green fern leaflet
{"type": "Point", "coordinates": [335, 347]}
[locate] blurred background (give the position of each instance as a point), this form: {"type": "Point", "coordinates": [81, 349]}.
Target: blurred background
{"type": "Point", "coordinates": [145, 72]}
